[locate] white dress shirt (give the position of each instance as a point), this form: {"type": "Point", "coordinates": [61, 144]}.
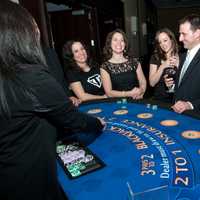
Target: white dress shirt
{"type": "Point", "coordinates": [190, 55]}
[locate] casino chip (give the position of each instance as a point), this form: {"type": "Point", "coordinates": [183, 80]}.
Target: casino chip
{"type": "Point", "coordinates": [169, 122]}
{"type": "Point", "coordinates": [94, 111]}
{"type": "Point", "coordinates": [190, 134]}
{"type": "Point", "coordinates": [145, 115]}
{"type": "Point", "coordinates": [120, 112]}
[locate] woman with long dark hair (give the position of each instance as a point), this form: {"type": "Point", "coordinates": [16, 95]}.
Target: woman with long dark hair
{"type": "Point", "coordinates": [32, 106]}
{"type": "Point", "coordinates": [121, 73]}
{"type": "Point", "coordinates": [82, 73]}
{"type": "Point", "coordinates": [165, 55]}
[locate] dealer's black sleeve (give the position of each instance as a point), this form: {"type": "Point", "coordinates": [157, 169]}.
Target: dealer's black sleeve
{"type": "Point", "coordinates": [51, 102]}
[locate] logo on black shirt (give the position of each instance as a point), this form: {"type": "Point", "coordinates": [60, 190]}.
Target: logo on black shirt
{"type": "Point", "coordinates": [95, 80]}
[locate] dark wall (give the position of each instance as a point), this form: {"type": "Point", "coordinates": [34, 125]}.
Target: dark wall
{"type": "Point", "coordinates": [38, 10]}
{"type": "Point", "coordinates": [169, 17]}
{"type": "Point", "coordinates": [67, 26]}
{"type": "Point", "coordinates": [99, 18]}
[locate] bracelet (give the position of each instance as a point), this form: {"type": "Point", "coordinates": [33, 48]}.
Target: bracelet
{"type": "Point", "coordinates": [123, 93]}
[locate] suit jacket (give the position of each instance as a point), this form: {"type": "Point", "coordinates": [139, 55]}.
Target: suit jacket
{"type": "Point", "coordinates": [189, 90]}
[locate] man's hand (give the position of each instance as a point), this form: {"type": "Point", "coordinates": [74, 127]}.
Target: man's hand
{"type": "Point", "coordinates": [181, 106]}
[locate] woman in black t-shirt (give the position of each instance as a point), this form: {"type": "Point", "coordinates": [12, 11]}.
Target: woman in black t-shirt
{"type": "Point", "coordinates": [122, 75]}
{"type": "Point", "coordinates": [82, 74]}
{"type": "Point", "coordinates": [165, 55]}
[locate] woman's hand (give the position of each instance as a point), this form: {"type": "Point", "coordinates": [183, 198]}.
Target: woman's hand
{"type": "Point", "coordinates": [75, 100]}
{"type": "Point", "coordinates": [102, 122]}
{"type": "Point", "coordinates": [169, 82]}
{"type": "Point", "coordinates": [174, 61]}
{"type": "Point", "coordinates": [105, 96]}
{"type": "Point", "coordinates": [137, 93]}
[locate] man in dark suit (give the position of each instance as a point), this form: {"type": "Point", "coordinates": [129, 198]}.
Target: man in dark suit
{"type": "Point", "coordinates": [187, 92]}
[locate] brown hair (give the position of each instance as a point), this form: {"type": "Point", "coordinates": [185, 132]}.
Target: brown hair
{"type": "Point", "coordinates": [158, 52]}
{"type": "Point", "coordinates": [107, 50]}
{"type": "Point", "coordinates": [68, 56]}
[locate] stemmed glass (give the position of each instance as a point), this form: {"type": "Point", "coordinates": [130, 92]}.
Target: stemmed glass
{"type": "Point", "coordinates": [171, 73]}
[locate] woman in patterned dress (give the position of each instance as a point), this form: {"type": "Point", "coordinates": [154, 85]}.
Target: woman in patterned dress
{"type": "Point", "coordinates": [121, 74]}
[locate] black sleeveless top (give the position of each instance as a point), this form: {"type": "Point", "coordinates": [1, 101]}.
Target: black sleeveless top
{"type": "Point", "coordinates": [123, 75]}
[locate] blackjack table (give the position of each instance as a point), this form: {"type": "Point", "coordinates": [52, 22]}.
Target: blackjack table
{"type": "Point", "coordinates": [148, 152]}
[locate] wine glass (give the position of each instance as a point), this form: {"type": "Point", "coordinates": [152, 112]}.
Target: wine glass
{"type": "Point", "coordinates": [171, 73]}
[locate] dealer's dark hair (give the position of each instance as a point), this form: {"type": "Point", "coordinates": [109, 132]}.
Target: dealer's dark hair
{"type": "Point", "coordinates": [19, 46]}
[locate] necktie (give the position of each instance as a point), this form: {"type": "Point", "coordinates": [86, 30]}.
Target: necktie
{"type": "Point", "coordinates": [184, 68]}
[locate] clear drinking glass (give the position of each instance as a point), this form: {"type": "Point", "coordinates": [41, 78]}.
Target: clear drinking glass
{"type": "Point", "coordinates": [157, 193]}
